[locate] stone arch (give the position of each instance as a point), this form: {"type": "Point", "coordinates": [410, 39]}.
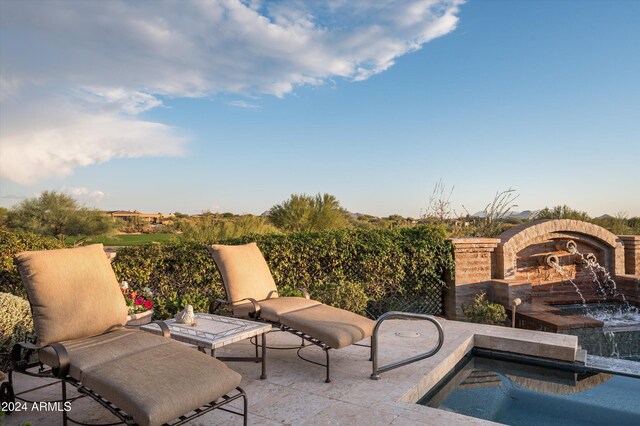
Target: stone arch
{"type": "Point", "coordinates": [519, 237]}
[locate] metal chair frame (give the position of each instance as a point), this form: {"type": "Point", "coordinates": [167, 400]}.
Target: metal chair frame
{"type": "Point", "coordinates": [375, 375]}
{"type": "Point", "coordinates": [22, 352]}
{"type": "Point", "coordinates": [255, 315]}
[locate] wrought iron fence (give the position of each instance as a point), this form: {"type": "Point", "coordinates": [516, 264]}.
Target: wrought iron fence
{"type": "Point", "coordinates": [429, 302]}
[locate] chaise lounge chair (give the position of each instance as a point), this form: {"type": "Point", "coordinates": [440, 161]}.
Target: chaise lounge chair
{"type": "Point", "coordinates": [251, 292]}
{"type": "Point", "coordinates": [79, 315]}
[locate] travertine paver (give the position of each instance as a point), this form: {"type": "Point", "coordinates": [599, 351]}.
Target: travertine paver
{"type": "Point", "coordinates": [295, 392]}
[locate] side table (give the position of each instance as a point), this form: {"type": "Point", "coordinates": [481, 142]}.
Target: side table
{"type": "Point", "coordinates": [215, 331]}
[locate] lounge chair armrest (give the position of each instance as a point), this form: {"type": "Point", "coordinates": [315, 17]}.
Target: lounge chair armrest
{"type": "Point", "coordinates": [256, 307]}
{"type": "Point", "coordinates": [271, 293]}
{"type": "Point", "coordinates": [28, 345]}
{"type": "Point", "coordinates": [20, 355]}
{"type": "Point", "coordinates": [304, 292]}
{"type": "Point", "coordinates": [164, 328]}
{"type": "Point", "coordinates": [62, 369]}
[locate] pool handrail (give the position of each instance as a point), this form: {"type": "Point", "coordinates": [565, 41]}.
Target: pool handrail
{"type": "Point", "coordinates": [375, 375]}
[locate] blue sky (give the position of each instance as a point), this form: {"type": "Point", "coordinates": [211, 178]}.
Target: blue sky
{"type": "Point", "coordinates": [373, 103]}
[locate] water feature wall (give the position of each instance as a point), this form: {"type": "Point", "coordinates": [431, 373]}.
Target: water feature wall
{"type": "Point", "coordinates": [519, 264]}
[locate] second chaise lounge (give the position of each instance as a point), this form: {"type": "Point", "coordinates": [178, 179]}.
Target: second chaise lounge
{"type": "Point", "coordinates": [251, 292]}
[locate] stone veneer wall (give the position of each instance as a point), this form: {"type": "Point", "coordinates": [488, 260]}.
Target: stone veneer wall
{"type": "Point", "coordinates": [498, 266]}
{"type": "Point", "coordinates": [631, 253]}
{"type": "Point", "coordinates": [475, 266]}
{"type": "Point", "coordinates": [519, 237]}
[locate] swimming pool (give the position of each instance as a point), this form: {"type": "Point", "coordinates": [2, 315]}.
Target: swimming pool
{"type": "Point", "coordinates": [519, 394]}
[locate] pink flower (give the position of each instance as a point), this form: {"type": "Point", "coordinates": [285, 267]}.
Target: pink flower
{"type": "Point", "coordinates": [148, 304]}
{"type": "Point", "coordinates": [138, 301]}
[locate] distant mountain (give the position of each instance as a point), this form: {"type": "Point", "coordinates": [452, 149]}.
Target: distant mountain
{"type": "Point", "coordinates": [525, 214]}
{"type": "Point", "coordinates": [605, 216]}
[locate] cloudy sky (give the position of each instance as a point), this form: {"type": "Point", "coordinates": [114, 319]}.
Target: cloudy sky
{"type": "Point", "coordinates": [234, 105]}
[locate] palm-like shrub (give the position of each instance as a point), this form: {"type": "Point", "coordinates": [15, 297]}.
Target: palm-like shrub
{"type": "Point", "coordinates": [307, 213]}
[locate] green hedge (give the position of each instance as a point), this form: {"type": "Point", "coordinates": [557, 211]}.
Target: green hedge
{"type": "Point", "coordinates": [12, 243]}
{"type": "Point", "coordinates": [361, 270]}
{"type": "Point", "coordinates": [365, 271]}
{"type": "Point", "coordinates": [15, 323]}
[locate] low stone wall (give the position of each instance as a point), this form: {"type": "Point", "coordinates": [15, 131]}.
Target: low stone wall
{"type": "Point", "coordinates": [475, 268]}
{"type": "Point", "coordinates": [631, 253]}
{"type": "Point", "coordinates": [629, 285]}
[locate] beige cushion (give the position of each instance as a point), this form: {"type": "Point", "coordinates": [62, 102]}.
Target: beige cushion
{"type": "Point", "coordinates": [271, 309]}
{"type": "Point", "coordinates": [244, 272]}
{"type": "Point", "coordinates": [90, 352]}
{"type": "Point", "coordinates": [73, 293]}
{"type": "Point", "coordinates": [335, 327]}
{"type": "Point", "coordinates": [162, 383]}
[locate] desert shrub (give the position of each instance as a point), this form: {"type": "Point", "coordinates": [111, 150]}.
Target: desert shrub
{"type": "Point", "coordinates": [482, 311]}
{"type": "Point", "coordinates": [215, 227]}
{"type": "Point", "coordinates": [302, 212]}
{"type": "Point", "coordinates": [15, 323]}
{"type": "Point", "coordinates": [12, 243]}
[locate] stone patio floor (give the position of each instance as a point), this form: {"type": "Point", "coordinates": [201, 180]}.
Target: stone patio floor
{"type": "Point", "coordinates": [295, 393]}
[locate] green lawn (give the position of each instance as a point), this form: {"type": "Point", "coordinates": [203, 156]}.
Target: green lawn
{"type": "Point", "coordinates": [127, 239]}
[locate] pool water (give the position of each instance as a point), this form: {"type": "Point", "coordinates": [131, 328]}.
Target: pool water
{"type": "Point", "coordinates": [611, 314]}
{"type": "Point", "coordinates": [618, 338]}
{"type": "Point", "coordinates": [518, 394]}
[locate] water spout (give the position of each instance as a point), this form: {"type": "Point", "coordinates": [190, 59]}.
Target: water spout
{"type": "Point", "coordinates": [568, 245]}
{"type": "Point", "coordinates": [550, 260]}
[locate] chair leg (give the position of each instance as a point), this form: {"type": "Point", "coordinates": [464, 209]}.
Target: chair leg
{"type": "Point", "coordinates": [264, 356]}
{"type": "Point", "coordinates": [328, 380]}
{"type": "Point", "coordinates": [246, 408]}
{"type": "Point", "coordinates": [64, 400]}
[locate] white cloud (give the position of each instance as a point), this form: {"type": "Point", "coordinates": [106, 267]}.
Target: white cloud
{"type": "Point", "coordinates": [84, 195]}
{"type": "Point", "coordinates": [117, 100]}
{"type": "Point", "coordinates": [244, 105]}
{"type": "Point", "coordinates": [101, 64]}
{"type": "Point", "coordinates": [39, 141]}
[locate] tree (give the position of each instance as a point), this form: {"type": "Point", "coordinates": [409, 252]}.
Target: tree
{"type": "Point", "coordinates": [309, 213]}
{"type": "Point", "coordinates": [562, 212]}
{"type": "Point", "coordinates": [57, 215]}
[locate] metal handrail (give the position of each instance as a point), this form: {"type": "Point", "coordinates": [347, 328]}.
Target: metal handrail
{"type": "Point", "coordinates": [401, 315]}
